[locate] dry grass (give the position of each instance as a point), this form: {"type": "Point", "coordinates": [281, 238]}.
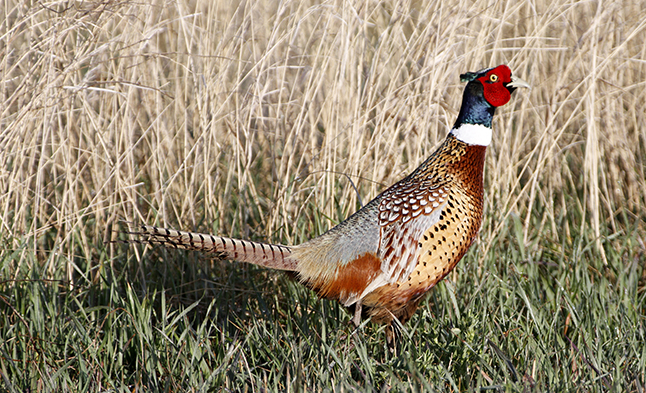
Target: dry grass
{"type": "Point", "coordinates": [256, 118]}
{"type": "Point", "coordinates": [166, 112]}
{"type": "Point", "coordinates": [243, 118]}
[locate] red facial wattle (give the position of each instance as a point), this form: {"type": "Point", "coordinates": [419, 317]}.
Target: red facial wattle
{"type": "Point", "coordinates": [494, 82]}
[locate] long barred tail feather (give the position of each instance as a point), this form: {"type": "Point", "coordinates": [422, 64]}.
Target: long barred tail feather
{"type": "Point", "coordinates": [269, 255]}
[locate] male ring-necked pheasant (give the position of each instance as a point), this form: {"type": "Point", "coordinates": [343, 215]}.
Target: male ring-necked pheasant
{"type": "Point", "coordinates": [385, 257]}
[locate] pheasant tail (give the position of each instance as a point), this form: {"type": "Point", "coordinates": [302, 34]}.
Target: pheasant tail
{"type": "Point", "coordinates": [269, 255]}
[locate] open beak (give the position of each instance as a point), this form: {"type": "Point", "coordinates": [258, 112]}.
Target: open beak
{"type": "Point", "coordinates": [515, 83]}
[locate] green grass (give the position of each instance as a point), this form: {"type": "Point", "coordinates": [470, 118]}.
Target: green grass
{"type": "Point", "coordinates": [272, 121]}
{"type": "Point", "coordinates": [557, 321]}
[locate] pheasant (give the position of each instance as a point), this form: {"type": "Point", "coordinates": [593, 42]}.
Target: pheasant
{"type": "Point", "coordinates": [382, 260]}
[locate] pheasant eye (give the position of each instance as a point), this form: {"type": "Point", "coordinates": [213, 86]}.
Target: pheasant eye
{"type": "Point", "coordinates": [493, 78]}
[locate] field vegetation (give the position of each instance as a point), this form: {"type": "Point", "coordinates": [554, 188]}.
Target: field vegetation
{"type": "Point", "coordinates": [275, 120]}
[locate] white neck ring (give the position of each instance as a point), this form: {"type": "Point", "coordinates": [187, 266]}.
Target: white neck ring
{"type": "Point", "coordinates": [473, 134]}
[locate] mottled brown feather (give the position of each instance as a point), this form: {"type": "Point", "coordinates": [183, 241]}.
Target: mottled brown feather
{"type": "Point", "coordinates": [350, 279]}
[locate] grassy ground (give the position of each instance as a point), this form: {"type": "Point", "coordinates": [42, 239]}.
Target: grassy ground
{"type": "Point", "coordinates": [274, 121]}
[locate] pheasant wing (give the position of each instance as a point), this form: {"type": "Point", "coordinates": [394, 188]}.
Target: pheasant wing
{"type": "Point", "coordinates": [406, 211]}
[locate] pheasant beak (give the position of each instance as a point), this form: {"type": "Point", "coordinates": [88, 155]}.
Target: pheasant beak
{"type": "Point", "coordinates": [515, 83]}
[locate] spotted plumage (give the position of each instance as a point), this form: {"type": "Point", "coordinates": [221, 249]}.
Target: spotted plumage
{"type": "Point", "coordinates": [383, 259]}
